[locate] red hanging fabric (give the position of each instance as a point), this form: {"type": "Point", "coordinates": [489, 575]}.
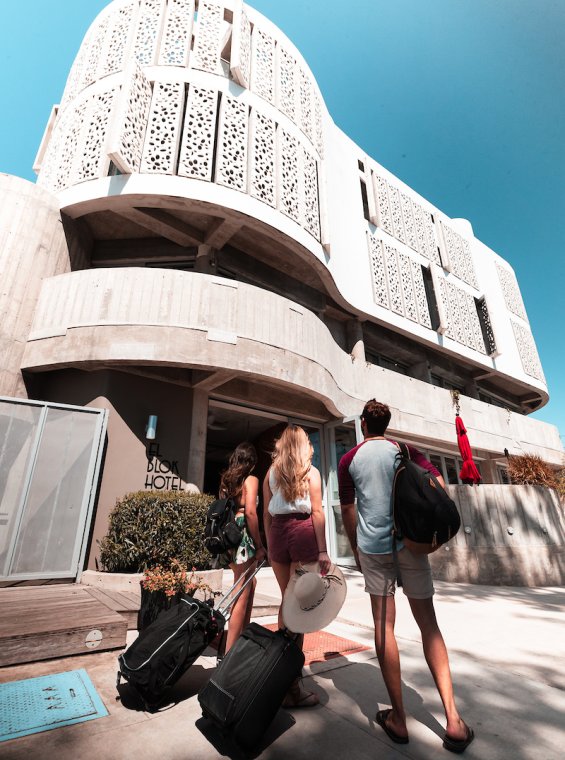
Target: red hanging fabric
{"type": "Point", "coordinates": [469, 473]}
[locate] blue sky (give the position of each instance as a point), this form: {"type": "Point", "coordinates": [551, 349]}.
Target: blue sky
{"type": "Point", "coordinates": [461, 99]}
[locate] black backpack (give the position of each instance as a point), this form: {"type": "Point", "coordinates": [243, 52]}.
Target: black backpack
{"type": "Point", "coordinates": [221, 532]}
{"type": "Point", "coordinates": [424, 516]}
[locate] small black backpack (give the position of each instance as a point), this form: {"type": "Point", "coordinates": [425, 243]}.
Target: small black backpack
{"type": "Point", "coordinates": [424, 516]}
{"type": "Point", "coordinates": [221, 532]}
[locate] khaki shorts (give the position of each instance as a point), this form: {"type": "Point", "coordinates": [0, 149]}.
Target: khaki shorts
{"type": "Point", "coordinates": [380, 574]}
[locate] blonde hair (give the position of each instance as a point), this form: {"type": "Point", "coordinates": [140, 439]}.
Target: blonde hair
{"type": "Point", "coordinates": [292, 459]}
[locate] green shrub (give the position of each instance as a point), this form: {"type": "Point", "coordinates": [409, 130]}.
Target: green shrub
{"type": "Point", "coordinates": [531, 470]}
{"type": "Point", "coordinates": [150, 528]}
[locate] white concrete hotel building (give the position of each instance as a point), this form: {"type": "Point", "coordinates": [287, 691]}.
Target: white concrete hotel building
{"type": "Point", "coordinates": [205, 245]}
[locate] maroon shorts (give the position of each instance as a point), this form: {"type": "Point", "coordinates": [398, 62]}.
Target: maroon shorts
{"type": "Point", "coordinates": [292, 539]}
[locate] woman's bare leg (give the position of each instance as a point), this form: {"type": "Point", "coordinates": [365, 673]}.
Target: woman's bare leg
{"type": "Point", "coordinates": [241, 611]}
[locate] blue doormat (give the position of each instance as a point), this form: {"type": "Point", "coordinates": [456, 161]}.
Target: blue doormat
{"type": "Point", "coordinates": [46, 702]}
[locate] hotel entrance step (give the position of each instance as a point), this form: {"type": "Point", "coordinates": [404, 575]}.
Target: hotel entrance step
{"type": "Point", "coordinates": [43, 622]}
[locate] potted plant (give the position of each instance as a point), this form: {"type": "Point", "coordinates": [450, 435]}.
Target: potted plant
{"type": "Point", "coordinates": [159, 534]}
{"type": "Point", "coordinates": [164, 586]}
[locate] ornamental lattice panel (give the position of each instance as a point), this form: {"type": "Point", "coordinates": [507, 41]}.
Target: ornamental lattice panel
{"type": "Point", "coordinates": [263, 65]}
{"type": "Point", "coordinates": [409, 225]}
{"type": "Point", "coordinates": [396, 212]}
{"type": "Point", "coordinates": [420, 295]}
{"type": "Point", "coordinates": [486, 327]}
{"type": "Point", "coordinates": [131, 121]}
{"type": "Point", "coordinates": [511, 291]}
{"type": "Point", "coordinates": [476, 339]}
{"type": "Point", "coordinates": [94, 55]}
{"type": "Point", "coordinates": [148, 31]}
{"type": "Point", "coordinates": [318, 129]}
{"type": "Point", "coordinates": [469, 320]}
{"type": "Point", "coordinates": [431, 239]}
{"type": "Point", "coordinates": [410, 309]}
{"type": "Point", "coordinates": [420, 229]}
{"type": "Point", "coordinates": [378, 271]}
{"type": "Point", "coordinates": [288, 174]}
{"type": "Point", "coordinates": [463, 321]}
{"type": "Point", "coordinates": [162, 137]}
{"type": "Point", "coordinates": [241, 47]}
{"type": "Point", "coordinates": [262, 159]}
{"type": "Point", "coordinates": [442, 298]}
{"type": "Point", "coordinates": [197, 146]}
{"type": "Point", "coordinates": [208, 39]}
{"type": "Point", "coordinates": [393, 278]}
{"type": "Point", "coordinates": [455, 330]}
{"type": "Point", "coordinates": [310, 202]}
{"type": "Point", "coordinates": [51, 175]}
{"type": "Point", "coordinates": [528, 351]}
{"type": "Point", "coordinates": [286, 83]}
{"type": "Point", "coordinates": [231, 150]}
{"type": "Point", "coordinates": [383, 205]}
{"type": "Point", "coordinates": [113, 55]}
{"type": "Point", "coordinates": [67, 158]}
{"type": "Point", "coordinates": [459, 255]}
{"type": "Point", "coordinates": [177, 33]}
{"type": "Point", "coordinates": [305, 104]}
{"type": "Point", "coordinates": [468, 259]}
{"type": "Point", "coordinates": [78, 73]}
{"type": "Point", "coordinates": [93, 160]}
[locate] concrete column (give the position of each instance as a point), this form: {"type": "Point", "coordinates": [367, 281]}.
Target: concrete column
{"type": "Point", "coordinates": [471, 389]}
{"type": "Point", "coordinates": [488, 471]}
{"type": "Point", "coordinates": [355, 342]}
{"type": "Point", "coordinates": [198, 433]}
{"type": "Point", "coordinates": [420, 371]}
{"type": "Point", "coordinates": [205, 259]}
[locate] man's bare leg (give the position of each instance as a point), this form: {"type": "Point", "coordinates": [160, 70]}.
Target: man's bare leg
{"type": "Point", "coordinates": [437, 658]}
{"type": "Point", "coordinates": [384, 617]}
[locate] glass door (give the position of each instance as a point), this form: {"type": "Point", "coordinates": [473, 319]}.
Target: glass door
{"type": "Point", "coordinates": [50, 458]}
{"type": "Point", "coordinates": [340, 438]}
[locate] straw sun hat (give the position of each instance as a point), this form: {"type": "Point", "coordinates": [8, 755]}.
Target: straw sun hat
{"type": "Point", "coordinates": [311, 601]}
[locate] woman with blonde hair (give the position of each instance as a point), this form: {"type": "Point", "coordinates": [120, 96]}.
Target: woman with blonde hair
{"type": "Point", "coordinates": [238, 482]}
{"type": "Point", "coordinates": [294, 522]}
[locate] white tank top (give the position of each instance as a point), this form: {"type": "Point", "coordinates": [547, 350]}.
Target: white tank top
{"type": "Point", "coordinates": [278, 504]}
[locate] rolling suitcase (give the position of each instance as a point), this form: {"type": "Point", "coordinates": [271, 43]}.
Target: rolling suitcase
{"type": "Point", "coordinates": [249, 685]}
{"type": "Point", "coordinates": [165, 650]}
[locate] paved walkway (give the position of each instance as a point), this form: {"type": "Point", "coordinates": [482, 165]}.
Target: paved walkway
{"type": "Point", "coordinates": [507, 650]}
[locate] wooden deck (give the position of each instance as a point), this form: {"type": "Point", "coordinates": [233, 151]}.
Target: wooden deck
{"type": "Point", "coordinates": [43, 622]}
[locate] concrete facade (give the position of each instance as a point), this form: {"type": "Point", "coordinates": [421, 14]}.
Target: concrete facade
{"type": "Point", "coordinates": [204, 244]}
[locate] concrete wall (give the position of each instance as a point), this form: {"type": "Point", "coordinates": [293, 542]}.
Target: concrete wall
{"type": "Point", "coordinates": [131, 463]}
{"type": "Point", "coordinates": [32, 247]}
{"type": "Point", "coordinates": [510, 536]}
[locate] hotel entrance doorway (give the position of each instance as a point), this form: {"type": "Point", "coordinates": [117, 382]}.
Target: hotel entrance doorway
{"type": "Point", "coordinates": [230, 424]}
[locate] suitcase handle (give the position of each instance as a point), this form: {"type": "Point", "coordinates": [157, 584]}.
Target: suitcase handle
{"type": "Point", "coordinates": [224, 608]}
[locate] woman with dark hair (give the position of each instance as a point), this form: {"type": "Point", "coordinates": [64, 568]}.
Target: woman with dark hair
{"type": "Point", "coordinates": [238, 482]}
{"type": "Point", "coordinates": [294, 523]}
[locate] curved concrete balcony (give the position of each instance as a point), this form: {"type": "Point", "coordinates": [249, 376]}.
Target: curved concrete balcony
{"type": "Point", "coordinates": [180, 319]}
{"type": "Point", "coordinates": [165, 318]}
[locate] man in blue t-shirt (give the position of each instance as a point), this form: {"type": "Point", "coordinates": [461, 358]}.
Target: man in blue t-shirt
{"type": "Point", "coordinates": [366, 473]}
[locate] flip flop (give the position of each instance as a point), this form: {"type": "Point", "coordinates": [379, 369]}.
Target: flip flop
{"type": "Point", "coordinates": [459, 745]}
{"type": "Point", "coordinates": [381, 717]}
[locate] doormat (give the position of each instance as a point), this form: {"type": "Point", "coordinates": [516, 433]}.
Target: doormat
{"type": "Point", "coordinates": [47, 702]}
{"type": "Point", "coordinates": [321, 646]}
